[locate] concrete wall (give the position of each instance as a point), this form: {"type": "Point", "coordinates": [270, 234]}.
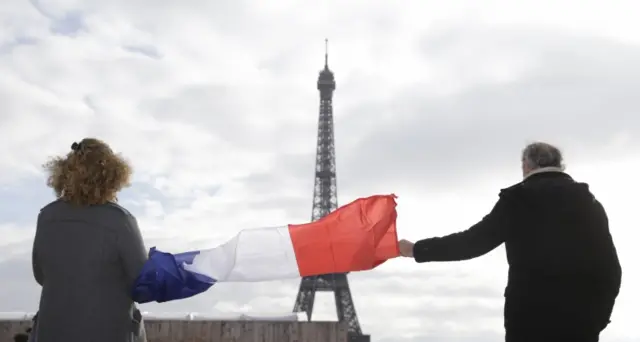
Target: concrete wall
{"type": "Point", "coordinates": [223, 331]}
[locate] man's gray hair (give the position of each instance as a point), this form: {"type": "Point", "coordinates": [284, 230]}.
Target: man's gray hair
{"type": "Point", "coordinates": [540, 155]}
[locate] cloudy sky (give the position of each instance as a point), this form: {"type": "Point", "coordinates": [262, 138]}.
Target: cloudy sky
{"type": "Point", "coordinates": [215, 104]}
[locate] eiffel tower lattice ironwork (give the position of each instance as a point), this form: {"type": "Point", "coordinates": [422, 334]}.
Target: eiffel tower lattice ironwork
{"type": "Point", "coordinates": [325, 200]}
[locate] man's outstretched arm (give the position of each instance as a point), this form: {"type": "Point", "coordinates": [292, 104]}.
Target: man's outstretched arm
{"type": "Point", "coordinates": [476, 241]}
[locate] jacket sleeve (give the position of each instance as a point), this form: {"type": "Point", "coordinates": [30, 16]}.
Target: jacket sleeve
{"type": "Point", "coordinates": [476, 241]}
{"type": "Point", "coordinates": [35, 264]}
{"type": "Point", "coordinates": [131, 249]}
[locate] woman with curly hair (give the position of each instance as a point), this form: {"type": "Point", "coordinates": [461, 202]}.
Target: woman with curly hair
{"type": "Point", "coordinates": [87, 250]}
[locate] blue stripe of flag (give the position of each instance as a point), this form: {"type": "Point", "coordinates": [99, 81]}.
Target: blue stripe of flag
{"type": "Point", "coordinates": [163, 278]}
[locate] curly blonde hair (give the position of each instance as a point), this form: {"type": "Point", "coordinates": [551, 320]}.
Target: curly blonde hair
{"type": "Point", "coordinates": [88, 175]}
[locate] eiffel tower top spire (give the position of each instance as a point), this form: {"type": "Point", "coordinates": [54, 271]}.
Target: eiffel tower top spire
{"type": "Point", "coordinates": [326, 80]}
{"type": "Point", "coordinates": [326, 54]}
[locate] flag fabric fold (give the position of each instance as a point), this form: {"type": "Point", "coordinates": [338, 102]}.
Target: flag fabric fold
{"type": "Point", "coordinates": [356, 237]}
{"type": "Point", "coordinates": [163, 278]}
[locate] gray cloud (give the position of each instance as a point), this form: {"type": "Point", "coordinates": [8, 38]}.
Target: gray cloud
{"type": "Point", "coordinates": [579, 93]}
{"type": "Point", "coordinates": [582, 92]}
{"type": "Point", "coordinates": [144, 50]}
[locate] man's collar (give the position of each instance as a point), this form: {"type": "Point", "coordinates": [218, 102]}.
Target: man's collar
{"type": "Point", "coordinates": [544, 170]}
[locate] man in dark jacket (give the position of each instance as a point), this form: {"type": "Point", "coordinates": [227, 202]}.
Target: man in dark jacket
{"type": "Point", "coordinates": [564, 273]}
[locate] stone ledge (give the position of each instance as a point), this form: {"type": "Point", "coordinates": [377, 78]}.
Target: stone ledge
{"type": "Point", "coordinates": [159, 330]}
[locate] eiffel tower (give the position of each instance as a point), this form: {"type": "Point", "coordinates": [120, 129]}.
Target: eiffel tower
{"type": "Point", "coordinates": [325, 200]}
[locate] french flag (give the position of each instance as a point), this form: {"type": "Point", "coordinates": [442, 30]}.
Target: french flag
{"type": "Point", "coordinates": [356, 237]}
